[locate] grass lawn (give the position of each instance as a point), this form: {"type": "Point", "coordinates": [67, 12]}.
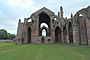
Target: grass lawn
{"type": "Point", "coordinates": [11, 51]}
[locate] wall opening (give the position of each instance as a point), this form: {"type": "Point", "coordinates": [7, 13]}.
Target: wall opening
{"type": "Point", "coordinates": [44, 19]}
{"type": "Point", "coordinates": [58, 35]}
{"type": "Point", "coordinates": [70, 31]}
{"type": "Point", "coordinates": [29, 35]}
{"type": "Point", "coordinates": [44, 32]}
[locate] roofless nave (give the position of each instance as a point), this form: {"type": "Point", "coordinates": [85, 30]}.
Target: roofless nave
{"type": "Point", "coordinates": [60, 30]}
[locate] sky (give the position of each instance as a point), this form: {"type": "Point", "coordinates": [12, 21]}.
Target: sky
{"type": "Point", "coordinates": [13, 10]}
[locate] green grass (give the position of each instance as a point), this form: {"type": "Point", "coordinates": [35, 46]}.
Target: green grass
{"type": "Point", "coordinates": [11, 51]}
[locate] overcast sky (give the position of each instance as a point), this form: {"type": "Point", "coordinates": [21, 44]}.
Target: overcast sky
{"type": "Point", "coordinates": [12, 10]}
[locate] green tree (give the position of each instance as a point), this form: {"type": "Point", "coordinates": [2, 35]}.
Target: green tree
{"type": "Point", "coordinates": [5, 35]}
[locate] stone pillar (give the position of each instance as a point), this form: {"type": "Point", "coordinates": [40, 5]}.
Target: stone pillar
{"type": "Point", "coordinates": [67, 35]}
{"type": "Point", "coordinates": [25, 31]}
{"type": "Point", "coordinates": [61, 11]}
{"type": "Point", "coordinates": [53, 36]}
{"type": "Point", "coordinates": [52, 30]}
{"type": "Point", "coordinates": [19, 20]}
{"type": "Point", "coordinates": [26, 37]}
{"type": "Point", "coordinates": [76, 34]}
{"type": "Point", "coordinates": [83, 30]}
{"type": "Point", "coordinates": [58, 14]}
{"type": "Point", "coordinates": [88, 30]}
{"type": "Point", "coordinates": [62, 35]}
{"type": "Point", "coordinates": [37, 26]}
{"type": "Point", "coordinates": [18, 28]}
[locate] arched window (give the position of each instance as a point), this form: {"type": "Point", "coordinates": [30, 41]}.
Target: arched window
{"type": "Point", "coordinates": [44, 19]}
{"type": "Point", "coordinates": [43, 32]}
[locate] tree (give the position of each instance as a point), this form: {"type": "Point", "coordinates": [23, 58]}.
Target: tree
{"type": "Point", "coordinates": [5, 35]}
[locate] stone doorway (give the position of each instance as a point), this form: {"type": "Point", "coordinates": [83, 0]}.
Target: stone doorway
{"type": "Point", "coordinates": [29, 35]}
{"type": "Point", "coordinates": [70, 31]}
{"type": "Point", "coordinates": [58, 35]}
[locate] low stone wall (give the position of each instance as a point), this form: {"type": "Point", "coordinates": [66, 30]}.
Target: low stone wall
{"type": "Point", "coordinates": [38, 40]}
{"type": "Point", "coordinates": [6, 40]}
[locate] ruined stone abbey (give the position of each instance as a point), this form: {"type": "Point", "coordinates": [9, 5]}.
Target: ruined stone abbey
{"type": "Point", "coordinates": [59, 30]}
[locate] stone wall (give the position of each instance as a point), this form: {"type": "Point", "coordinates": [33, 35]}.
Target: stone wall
{"type": "Point", "coordinates": [80, 27]}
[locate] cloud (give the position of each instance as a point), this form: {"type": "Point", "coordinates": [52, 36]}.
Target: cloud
{"type": "Point", "coordinates": [20, 3]}
{"type": "Point", "coordinates": [12, 10]}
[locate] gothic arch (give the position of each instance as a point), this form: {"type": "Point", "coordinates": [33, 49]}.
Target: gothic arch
{"type": "Point", "coordinates": [44, 18]}
{"type": "Point", "coordinates": [29, 35]}
{"type": "Point", "coordinates": [70, 32]}
{"type": "Point", "coordinates": [58, 35]}
{"type": "Point", "coordinates": [82, 31]}
{"type": "Point", "coordinates": [45, 29]}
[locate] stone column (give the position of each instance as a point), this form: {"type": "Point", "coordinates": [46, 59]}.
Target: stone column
{"type": "Point", "coordinates": [61, 11]}
{"type": "Point", "coordinates": [25, 31]}
{"type": "Point", "coordinates": [67, 35]}
{"type": "Point", "coordinates": [37, 25]}
{"type": "Point", "coordinates": [62, 38]}
{"type": "Point", "coordinates": [52, 25]}
{"type": "Point", "coordinates": [76, 34]}
{"type": "Point", "coordinates": [76, 30]}
{"type": "Point", "coordinates": [88, 30]}
{"type": "Point", "coordinates": [53, 36]}
{"type": "Point", "coordinates": [25, 34]}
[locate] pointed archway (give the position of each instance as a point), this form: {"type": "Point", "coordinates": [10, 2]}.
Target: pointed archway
{"type": "Point", "coordinates": [29, 35]}
{"type": "Point", "coordinates": [43, 35]}
{"type": "Point", "coordinates": [44, 18]}
{"type": "Point", "coordinates": [70, 31]}
{"type": "Point", "coordinates": [82, 31]}
{"type": "Point", "coordinates": [58, 35]}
